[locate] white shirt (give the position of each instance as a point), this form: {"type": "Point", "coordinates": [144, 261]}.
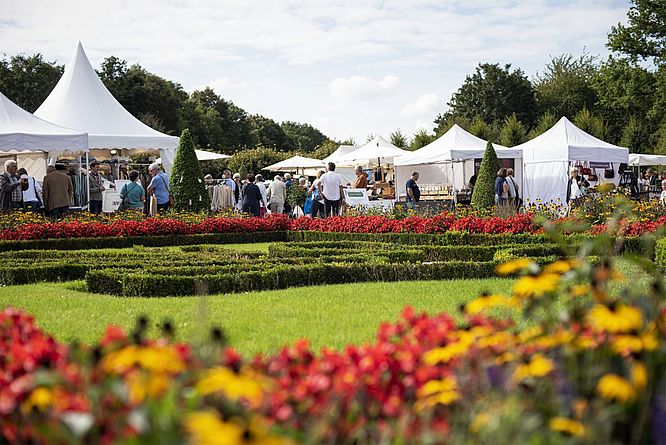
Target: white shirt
{"type": "Point", "coordinates": [662, 197]}
{"type": "Point", "coordinates": [34, 190]}
{"type": "Point", "coordinates": [262, 189]}
{"type": "Point", "coordinates": [315, 186]}
{"type": "Point", "coordinates": [331, 183]}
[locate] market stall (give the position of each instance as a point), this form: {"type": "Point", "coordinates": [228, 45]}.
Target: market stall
{"type": "Point", "coordinates": [298, 165]}
{"type": "Point", "coordinates": [447, 164]}
{"type": "Point", "coordinates": [548, 160]}
{"type": "Point", "coordinates": [81, 101]}
{"type": "Point", "coordinates": [378, 155]}
{"type": "Point", "coordinates": [30, 140]}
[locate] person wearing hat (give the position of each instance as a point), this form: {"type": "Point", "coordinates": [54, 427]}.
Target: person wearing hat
{"type": "Point", "coordinates": [96, 188]}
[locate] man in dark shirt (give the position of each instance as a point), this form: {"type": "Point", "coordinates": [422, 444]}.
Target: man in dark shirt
{"type": "Point", "coordinates": [251, 196]}
{"type": "Point", "coordinates": [413, 192]}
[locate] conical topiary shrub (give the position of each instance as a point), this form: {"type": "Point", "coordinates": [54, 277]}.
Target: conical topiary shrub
{"type": "Point", "coordinates": [186, 181]}
{"type": "Point", "coordinates": [483, 197]}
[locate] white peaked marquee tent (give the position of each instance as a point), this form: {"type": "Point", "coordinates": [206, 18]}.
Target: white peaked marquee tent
{"type": "Point", "coordinates": [203, 155]}
{"type": "Point", "coordinates": [339, 153]}
{"type": "Point", "coordinates": [449, 159]}
{"type": "Point", "coordinates": [81, 101]}
{"type": "Point", "coordinates": [548, 157]}
{"type": "Point", "coordinates": [296, 164]}
{"type": "Point", "coordinates": [30, 139]}
{"type": "Point", "coordinates": [378, 150]}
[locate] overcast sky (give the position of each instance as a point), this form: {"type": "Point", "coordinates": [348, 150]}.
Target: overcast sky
{"type": "Point", "coordinates": [348, 67]}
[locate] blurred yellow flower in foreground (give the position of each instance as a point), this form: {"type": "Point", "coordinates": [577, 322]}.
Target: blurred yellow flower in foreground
{"type": "Point", "coordinates": [639, 376]}
{"type": "Point", "coordinates": [620, 320]}
{"type": "Point", "coordinates": [207, 428]}
{"type": "Point", "coordinates": [538, 366]}
{"type": "Point", "coordinates": [568, 426]}
{"type": "Point", "coordinates": [40, 398]}
{"type": "Point", "coordinates": [443, 392]}
{"type": "Point", "coordinates": [535, 286]}
{"type": "Point", "coordinates": [513, 266]}
{"type": "Point", "coordinates": [151, 358]}
{"type": "Point", "coordinates": [489, 301]}
{"type": "Point", "coordinates": [614, 387]}
{"type": "Point", "coordinates": [233, 385]}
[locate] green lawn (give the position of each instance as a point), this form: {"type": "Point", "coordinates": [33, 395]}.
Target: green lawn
{"type": "Point", "coordinates": [255, 322]}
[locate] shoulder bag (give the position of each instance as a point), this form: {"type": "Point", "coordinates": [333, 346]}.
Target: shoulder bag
{"type": "Point", "coordinates": [171, 200]}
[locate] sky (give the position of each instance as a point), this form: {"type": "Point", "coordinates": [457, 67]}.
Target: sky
{"type": "Point", "coordinates": [350, 68]}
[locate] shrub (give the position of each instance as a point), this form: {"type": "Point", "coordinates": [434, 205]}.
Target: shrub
{"type": "Point", "coordinates": [660, 253]}
{"type": "Point", "coordinates": [186, 182]}
{"type": "Point", "coordinates": [483, 196]}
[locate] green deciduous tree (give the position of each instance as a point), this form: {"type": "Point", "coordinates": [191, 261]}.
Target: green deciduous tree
{"type": "Point", "coordinates": [325, 149]}
{"type": "Point", "coordinates": [304, 137]}
{"type": "Point", "coordinates": [513, 132]}
{"type": "Point", "coordinates": [634, 137]}
{"type": "Point", "coordinates": [483, 196]}
{"type": "Point", "coordinates": [644, 36]}
{"type": "Point", "coordinates": [186, 181]}
{"type": "Point", "coordinates": [545, 122]}
{"type": "Point", "coordinates": [565, 86]}
{"type": "Point", "coordinates": [149, 97]}
{"type": "Point", "coordinates": [254, 160]}
{"type": "Point", "coordinates": [444, 123]}
{"type": "Point", "coordinates": [494, 92]}
{"type": "Point", "coordinates": [267, 133]}
{"type": "Point", "coordinates": [28, 80]}
{"type": "Point", "coordinates": [590, 123]}
{"type": "Point", "coordinates": [398, 139]}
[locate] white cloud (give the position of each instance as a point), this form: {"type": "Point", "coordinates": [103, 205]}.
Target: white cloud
{"type": "Point", "coordinates": [361, 87]}
{"type": "Point", "coordinates": [224, 86]}
{"type": "Point", "coordinates": [425, 105]}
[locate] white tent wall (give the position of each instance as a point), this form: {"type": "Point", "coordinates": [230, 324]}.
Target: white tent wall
{"type": "Point", "coordinates": [34, 163]}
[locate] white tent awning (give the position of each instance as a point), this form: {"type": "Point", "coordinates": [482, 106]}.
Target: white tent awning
{"type": "Point", "coordinates": [22, 132]}
{"type": "Point", "coordinates": [295, 163]}
{"type": "Point", "coordinates": [341, 151]}
{"type": "Point", "coordinates": [203, 155]}
{"type": "Point", "coordinates": [377, 149]}
{"type": "Point", "coordinates": [81, 101]}
{"type": "Point", "coordinates": [455, 144]}
{"type": "Point", "coordinates": [645, 159]}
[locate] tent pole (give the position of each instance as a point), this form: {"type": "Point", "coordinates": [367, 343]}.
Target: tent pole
{"type": "Point", "coordinates": [87, 183]}
{"type": "Point", "coordinates": [453, 187]}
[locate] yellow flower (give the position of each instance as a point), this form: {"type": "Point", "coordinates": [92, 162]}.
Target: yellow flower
{"type": "Point", "coordinates": [488, 301]}
{"type": "Point", "coordinates": [40, 398]}
{"type": "Point", "coordinates": [579, 290]}
{"type": "Point", "coordinates": [561, 266]}
{"type": "Point", "coordinates": [614, 387]}
{"type": "Point", "coordinates": [502, 338]}
{"type": "Point", "coordinates": [141, 385]}
{"type": "Point", "coordinates": [568, 426]}
{"type": "Point", "coordinates": [480, 420]}
{"type": "Point", "coordinates": [623, 319]}
{"type": "Point", "coordinates": [513, 266]}
{"type": "Point", "coordinates": [151, 358]}
{"type": "Point", "coordinates": [538, 366]}
{"type": "Point", "coordinates": [639, 376]}
{"type": "Point", "coordinates": [535, 286]}
{"type": "Point", "coordinates": [559, 338]}
{"type": "Point", "coordinates": [529, 333]}
{"type": "Point", "coordinates": [206, 428]}
{"type": "Point", "coordinates": [434, 392]}
{"type": "Point", "coordinates": [233, 385]}
{"type": "Point", "coordinates": [446, 353]}
{"type": "Point", "coordinates": [505, 357]}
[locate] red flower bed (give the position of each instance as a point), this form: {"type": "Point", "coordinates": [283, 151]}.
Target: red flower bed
{"type": "Point", "coordinates": [521, 223]}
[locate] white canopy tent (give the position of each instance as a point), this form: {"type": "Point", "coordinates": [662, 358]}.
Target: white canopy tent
{"type": "Point", "coordinates": [377, 150]}
{"type": "Point", "coordinates": [339, 153]}
{"type": "Point", "coordinates": [449, 160]}
{"type": "Point", "coordinates": [203, 155]}
{"type": "Point", "coordinates": [81, 101]}
{"type": "Point", "coordinates": [29, 139]}
{"type": "Point", "coordinates": [639, 160]}
{"type": "Point", "coordinates": [296, 164]}
{"type": "Point", "coordinates": [547, 159]}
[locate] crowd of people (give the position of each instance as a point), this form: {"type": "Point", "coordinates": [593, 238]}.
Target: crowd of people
{"type": "Point", "coordinates": [324, 196]}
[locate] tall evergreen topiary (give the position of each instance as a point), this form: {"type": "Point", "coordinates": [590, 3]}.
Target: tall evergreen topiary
{"type": "Point", "coordinates": [483, 197]}
{"type": "Point", "coordinates": [186, 181]}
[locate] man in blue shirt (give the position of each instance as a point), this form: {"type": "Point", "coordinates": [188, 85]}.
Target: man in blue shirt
{"type": "Point", "coordinates": [413, 192]}
{"type": "Point", "coordinates": [159, 186]}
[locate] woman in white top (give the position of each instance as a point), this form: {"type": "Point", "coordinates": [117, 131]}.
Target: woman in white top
{"type": "Point", "coordinates": [32, 197]}
{"type": "Point", "coordinates": [662, 196]}
{"type": "Point", "coordinates": [318, 208]}
{"type": "Point", "coordinates": [263, 209]}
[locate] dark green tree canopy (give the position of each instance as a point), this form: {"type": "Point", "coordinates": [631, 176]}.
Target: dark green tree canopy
{"type": "Point", "coordinates": [494, 92]}
{"type": "Point", "coordinates": [28, 80]}
{"type": "Point", "coordinates": [254, 160]}
{"type": "Point", "coordinates": [267, 133]}
{"type": "Point", "coordinates": [483, 196]}
{"type": "Point", "coordinates": [421, 138]}
{"type": "Point", "coordinates": [398, 139]}
{"type": "Point", "coordinates": [513, 132]}
{"type": "Point", "coordinates": [565, 86]}
{"type": "Point", "coordinates": [304, 137]}
{"type": "Point", "coordinates": [186, 181]}
{"type": "Point", "coordinates": [644, 37]}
